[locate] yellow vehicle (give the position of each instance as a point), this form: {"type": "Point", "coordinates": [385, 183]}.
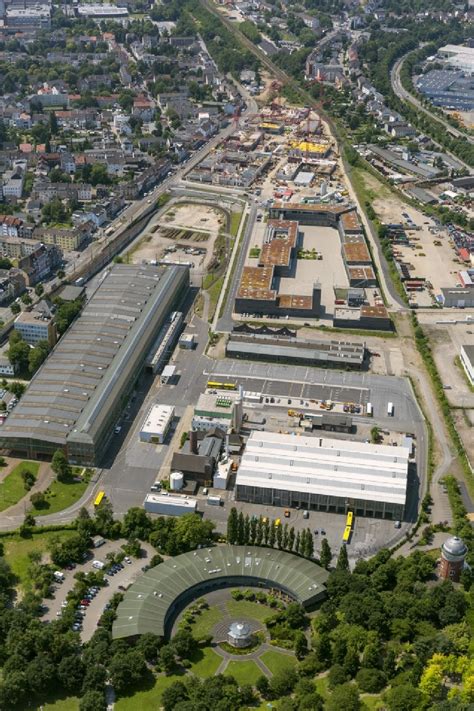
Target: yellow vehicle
{"type": "Point", "coordinates": [217, 385]}
{"type": "Point", "coordinates": [350, 518]}
{"type": "Point", "coordinates": [99, 498]}
{"type": "Point", "coordinates": [347, 534]}
{"type": "Point", "coordinates": [278, 522]}
{"type": "Point", "coordinates": [264, 519]}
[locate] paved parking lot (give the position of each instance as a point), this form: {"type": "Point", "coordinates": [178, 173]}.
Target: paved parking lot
{"type": "Point", "coordinates": [369, 534]}
{"type": "Point", "coordinates": [124, 578]}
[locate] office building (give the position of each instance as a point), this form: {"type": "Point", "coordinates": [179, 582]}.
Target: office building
{"type": "Point", "coordinates": [37, 325]}
{"type": "Point", "coordinates": [76, 397]}
{"type": "Point", "coordinates": [323, 474]}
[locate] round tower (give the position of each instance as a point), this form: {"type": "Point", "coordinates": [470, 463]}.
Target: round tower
{"type": "Point", "coordinates": [453, 555]}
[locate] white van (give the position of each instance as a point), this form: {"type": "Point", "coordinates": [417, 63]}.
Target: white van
{"type": "Point", "coordinates": [58, 576]}
{"type": "Point", "coordinates": [98, 564]}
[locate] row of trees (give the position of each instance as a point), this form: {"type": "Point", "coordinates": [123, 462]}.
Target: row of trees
{"type": "Point", "coordinates": [246, 530]}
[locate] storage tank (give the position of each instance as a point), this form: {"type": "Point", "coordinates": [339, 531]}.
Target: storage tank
{"type": "Point", "coordinates": [176, 481]}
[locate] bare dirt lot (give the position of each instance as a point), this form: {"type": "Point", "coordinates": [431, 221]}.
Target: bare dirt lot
{"type": "Point", "coordinates": [446, 341]}
{"type": "Point", "coordinates": [435, 262]}
{"type": "Point", "coordinates": [185, 233]}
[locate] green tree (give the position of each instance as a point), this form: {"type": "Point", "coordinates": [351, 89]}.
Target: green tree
{"type": "Point", "coordinates": [325, 555]}
{"type": "Point", "coordinates": [247, 530]}
{"type": "Point", "coordinates": [39, 289]}
{"type": "Point", "coordinates": [259, 534]}
{"type": "Point", "coordinates": [60, 466]}
{"type": "Point", "coordinates": [126, 669]}
{"type": "Point", "coordinates": [337, 676]}
{"type": "Point", "coordinates": [93, 701]}
{"type": "Point", "coordinates": [37, 356]}
{"type": "Point", "coordinates": [301, 645]}
{"type": "Point", "coordinates": [253, 530]}
{"type": "Point", "coordinates": [38, 500]}
{"type": "Point", "coordinates": [15, 309]}
{"type": "Point", "coordinates": [291, 539]}
{"type": "Point", "coordinates": [167, 658]}
{"type": "Point", "coordinates": [241, 529]}
{"type": "Point", "coordinates": [279, 536]}
{"type": "Point", "coordinates": [344, 697]}
{"type": "Point", "coordinates": [272, 535]}
{"type": "Point", "coordinates": [232, 526]}
{"type": "Point", "coordinates": [136, 524]}
{"type": "Point", "coordinates": [371, 681]}
{"type": "Point", "coordinates": [403, 697]}
{"type": "Point", "coordinates": [342, 560]}
{"type": "Point", "coordinates": [18, 351]}
{"type": "Point", "coordinates": [298, 542]}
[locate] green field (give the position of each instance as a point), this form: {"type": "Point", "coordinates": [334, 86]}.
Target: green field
{"type": "Point", "coordinates": [245, 608]}
{"type": "Point", "coordinates": [234, 223]}
{"type": "Point", "coordinates": [214, 293]}
{"type": "Point", "coordinates": [17, 549]}
{"type": "Point", "coordinates": [372, 702]}
{"type": "Point", "coordinates": [206, 621]}
{"type": "Point", "coordinates": [149, 699]}
{"type": "Point", "coordinates": [277, 661]}
{"type": "Point", "coordinates": [60, 495]}
{"type": "Point", "coordinates": [244, 672]}
{"type": "Point", "coordinates": [205, 662]}
{"type": "Point", "coordinates": [12, 488]}
{"type": "Point", "coordinates": [322, 686]}
{"type": "Point", "coordinates": [71, 703]}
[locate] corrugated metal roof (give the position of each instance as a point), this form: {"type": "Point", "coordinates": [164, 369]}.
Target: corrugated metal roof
{"type": "Point", "coordinates": [148, 605]}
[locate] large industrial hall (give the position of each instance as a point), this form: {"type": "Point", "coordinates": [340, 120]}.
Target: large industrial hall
{"type": "Point", "coordinates": [323, 474]}
{"type": "Point", "coordinates": [75, 398]}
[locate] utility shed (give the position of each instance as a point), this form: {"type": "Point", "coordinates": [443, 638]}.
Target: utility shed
{"type": "Point", "coordinates": [169, 505]}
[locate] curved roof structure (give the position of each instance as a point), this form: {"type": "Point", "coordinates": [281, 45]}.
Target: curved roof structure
{"type": "Point", "coordinates": [153, 601]}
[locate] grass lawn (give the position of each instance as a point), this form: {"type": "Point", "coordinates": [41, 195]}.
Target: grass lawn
{"type": "Point", "coordinates": [234, 223]}
{"type": "Point", "coordinates": [244, 672]}
{"type": "Point", "coordinates": [71, 703]}
{"type": "Point", "coordinates": [206, 621]}
{"type": "Point", "coordinates": [246, 608]}
{"type": "Point", "coordinates": [321, 683]}
{"type": "Point", "coordinates": [277, 661]}
{"type": "Point", "coordinates": [12, 488]}
{"type": "Point", "coordinates": [60, 495]}
{"type": "Point", "coordinates": [17, 549]}
{"type": "Point", "coordinates": [214, 293]}
{"type": "Point", "coordinates": [372, 702]}
{"type": "Point", "coordinates": [149, 699]}
{"type": "Point", "coordinates": [205, 662]}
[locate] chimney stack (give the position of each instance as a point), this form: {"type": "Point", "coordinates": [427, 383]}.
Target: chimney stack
{"type": "Point", "coordinates": [193, 441]}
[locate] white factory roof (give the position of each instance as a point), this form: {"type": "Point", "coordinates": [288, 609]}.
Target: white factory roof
{"type": "Point", "coordinates": [101, 10]}
{"type": "Point", "coordinates": [158, 419]}
{"type": "Point", "coordinates": [172, 500]}
{"type": "Point", "coordinates": [459, 49]}
{"type": "Point", "coordinates": [330, 467]}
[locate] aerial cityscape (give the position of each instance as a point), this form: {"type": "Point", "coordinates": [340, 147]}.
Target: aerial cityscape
{"type": "Point", "coordinates": [236, 355]}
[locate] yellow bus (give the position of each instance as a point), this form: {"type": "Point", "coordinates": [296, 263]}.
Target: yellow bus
{"type": "Point", "coordinates": [347, 534]}
{"type": "Point", "coordinates": [99, 498]}
{"type": "Point", "coordinates": [350, 518]}
{"type": "Point", "coordinates": [221, 386]}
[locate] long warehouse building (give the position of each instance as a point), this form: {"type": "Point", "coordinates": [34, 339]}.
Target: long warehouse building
{"type": "Point", "coordinates": [323, 474]}
{"type": "Point", "coordinates": [77, 395]}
